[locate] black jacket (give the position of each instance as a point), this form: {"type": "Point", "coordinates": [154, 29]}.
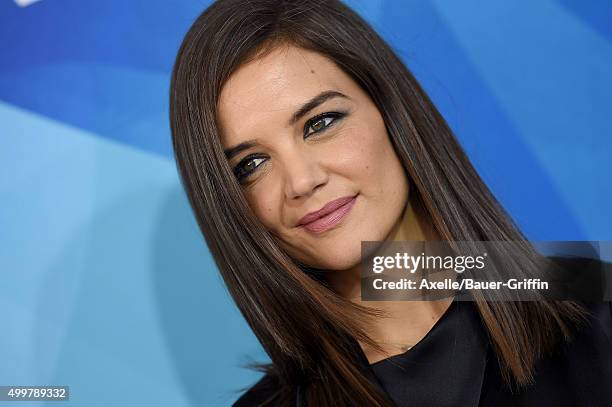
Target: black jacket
{"type": "Point", "coordinates": [454, 365]}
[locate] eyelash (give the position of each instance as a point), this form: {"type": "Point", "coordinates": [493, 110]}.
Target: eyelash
{"type": "Point", "coordinates": [239, 170]}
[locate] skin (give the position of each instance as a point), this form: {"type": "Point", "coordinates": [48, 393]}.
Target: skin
{"type": "Point", "coordinates": [293, 174]}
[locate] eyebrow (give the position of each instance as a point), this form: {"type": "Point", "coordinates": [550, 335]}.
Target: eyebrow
{"type": "Point", "coordinates": [301, 112]}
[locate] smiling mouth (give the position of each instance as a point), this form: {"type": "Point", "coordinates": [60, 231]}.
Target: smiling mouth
{"type": "Point", "coordinates": [324, 220]}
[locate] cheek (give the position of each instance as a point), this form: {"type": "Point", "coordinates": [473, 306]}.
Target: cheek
{"type": "Point", "coordinates": [266, 208]}
{"type": "Point", "coordinates": [368, 158]}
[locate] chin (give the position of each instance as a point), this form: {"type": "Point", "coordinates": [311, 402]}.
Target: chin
{"type": "Point", "coordinates": [340, 252]}
{"type": "Point", "coordinates": [340, 257]}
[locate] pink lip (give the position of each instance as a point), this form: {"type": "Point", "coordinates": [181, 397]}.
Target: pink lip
{"type": "Point", "coordinates": [329, 216]}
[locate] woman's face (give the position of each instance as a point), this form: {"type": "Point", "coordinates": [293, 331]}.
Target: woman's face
{"type": "Point", "coordinates": [301, 134]}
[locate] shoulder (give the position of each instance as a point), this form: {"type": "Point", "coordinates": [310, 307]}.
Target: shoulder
{"type": "Point", "coordinates": [578, 373]}
{"type": "Point", "coordinates": [262, 392]}
{"type": "Point", "coordinates": [589, 350]}
{"type": "Point", "coordinates": [581, 278]}
{"type": "Point", "coordinates": [599, 319]}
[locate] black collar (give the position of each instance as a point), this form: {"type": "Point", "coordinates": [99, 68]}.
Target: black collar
{"type": "Point", "coordinates": [445, 368]}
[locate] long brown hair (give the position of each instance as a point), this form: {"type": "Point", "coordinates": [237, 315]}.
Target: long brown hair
{"type": "Point", "coordinates": [306, 328]}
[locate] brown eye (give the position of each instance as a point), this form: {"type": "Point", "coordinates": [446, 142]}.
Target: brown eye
{"type": "Point", "coordinates": [321, 123]}
{"type": "Point", "coordinates": [247, 166]}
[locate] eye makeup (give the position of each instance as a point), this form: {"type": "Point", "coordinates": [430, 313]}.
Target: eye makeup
{"type": "Point", "coordinates": [313, 127]}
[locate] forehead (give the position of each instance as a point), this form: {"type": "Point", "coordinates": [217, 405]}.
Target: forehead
{"type": "Point", "coordinates": [267, 90]}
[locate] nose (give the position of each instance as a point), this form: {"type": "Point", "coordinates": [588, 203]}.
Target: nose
{"type": "Point", "coordinates": [304, 173]}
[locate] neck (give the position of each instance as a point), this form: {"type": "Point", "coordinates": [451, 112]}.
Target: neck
{"type": "Point", "coordinates": [408, 321]}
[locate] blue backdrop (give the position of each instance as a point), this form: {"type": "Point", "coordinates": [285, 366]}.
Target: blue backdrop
{"type": "Point", "coordinates": [105, 282]}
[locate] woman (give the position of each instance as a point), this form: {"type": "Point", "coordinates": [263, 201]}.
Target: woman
{"type": "Point", "coordinates": [299, 134]}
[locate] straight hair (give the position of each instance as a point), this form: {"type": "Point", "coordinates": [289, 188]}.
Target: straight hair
{"type": "Point", "coordinates": [308, 330]}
